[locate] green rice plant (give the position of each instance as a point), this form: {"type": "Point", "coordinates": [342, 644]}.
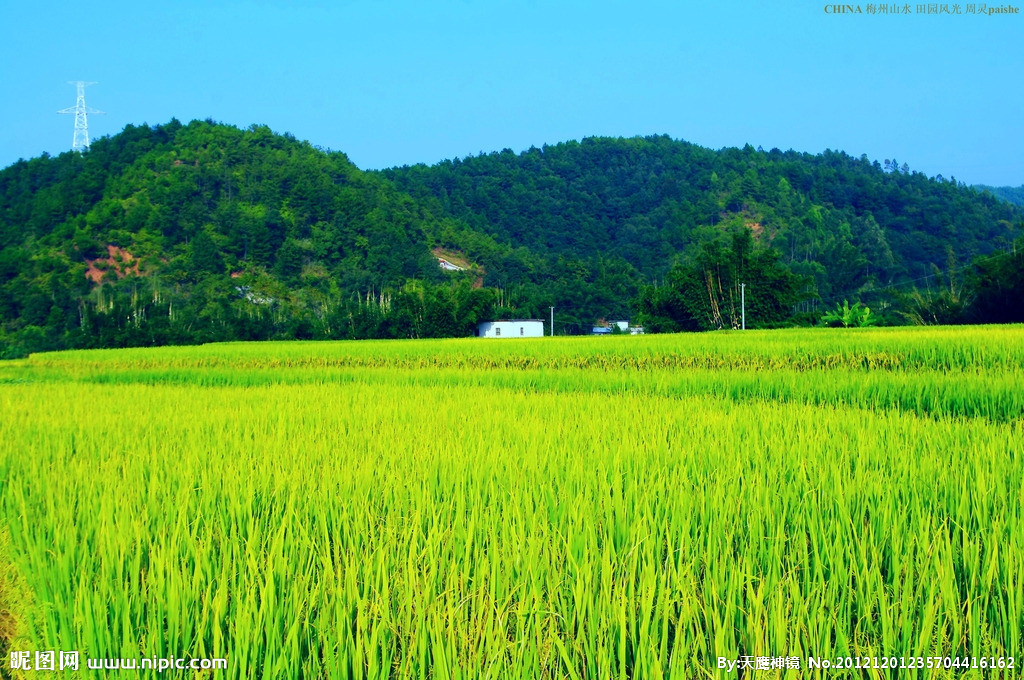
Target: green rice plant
{"type": "Point", "coordinates": [578, 508]}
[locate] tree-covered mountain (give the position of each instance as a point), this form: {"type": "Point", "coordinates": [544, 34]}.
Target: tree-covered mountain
{"type": "Point", "coordinates": [653, 207]}
{"type": "Point", "coordinates": [1013, 195]}
{"type": "Point", "coordinates": [200, 232]}
{"type": "Point", "coordinates": [186, 233]}
{"type": "Point", "coordinates": [647, 202]}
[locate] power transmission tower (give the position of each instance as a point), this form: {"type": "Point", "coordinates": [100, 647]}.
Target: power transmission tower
{"type": "Point", "coordinates": [81, 139]}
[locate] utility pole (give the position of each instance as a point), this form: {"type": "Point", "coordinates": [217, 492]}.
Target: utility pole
{"type": "Point", "coordinates": [80, 142]}
{"type": "Point", "coordinates": [552, 322]}
{"type": "Point", "coordinates": [743, 306]}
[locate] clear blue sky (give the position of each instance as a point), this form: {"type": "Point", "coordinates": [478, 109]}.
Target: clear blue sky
{"type": "Point", "coordinates": [400, 82]}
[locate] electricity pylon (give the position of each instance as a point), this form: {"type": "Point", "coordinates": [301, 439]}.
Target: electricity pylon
{"type": "Point", "coordinates": [81, 139]}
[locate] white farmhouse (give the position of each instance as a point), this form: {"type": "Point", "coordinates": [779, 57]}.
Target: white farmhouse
{"type": "Point", "coordinates": [511, 328]}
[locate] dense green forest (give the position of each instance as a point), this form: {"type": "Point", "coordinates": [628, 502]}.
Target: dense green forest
{"type": "Point", "coordinates": [853, 227]}
{"type": "Point", "coordinates": [203, 232]}
{"type": "Point", "coordinates": [181, 234]}
{"type": "Point", "coordinates": [1014, 195]}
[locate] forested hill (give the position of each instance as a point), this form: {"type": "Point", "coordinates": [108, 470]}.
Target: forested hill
{"type": "Point", "coordinates": [849, 223]}
{"type": "Point", "coordinates": [204, 232]}
{"type": "Point", "coordinates": [1013, 195]}
{"type": "Point", "coordinates": [211, 198]}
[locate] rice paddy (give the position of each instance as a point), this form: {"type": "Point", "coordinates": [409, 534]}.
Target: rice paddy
{"type": "Point", "coordinates": [617, 507]}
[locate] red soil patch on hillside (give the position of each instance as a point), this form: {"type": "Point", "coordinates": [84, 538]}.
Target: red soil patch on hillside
{"type": "Point", "coordinates": [118, 260]}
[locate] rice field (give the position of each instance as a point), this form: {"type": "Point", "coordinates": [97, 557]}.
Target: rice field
{"type": "Point", "coordinates": [613, 507]}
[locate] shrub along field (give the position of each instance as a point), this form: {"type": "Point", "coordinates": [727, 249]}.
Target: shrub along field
{"type": "Point", "coordinates": [558, 507]}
